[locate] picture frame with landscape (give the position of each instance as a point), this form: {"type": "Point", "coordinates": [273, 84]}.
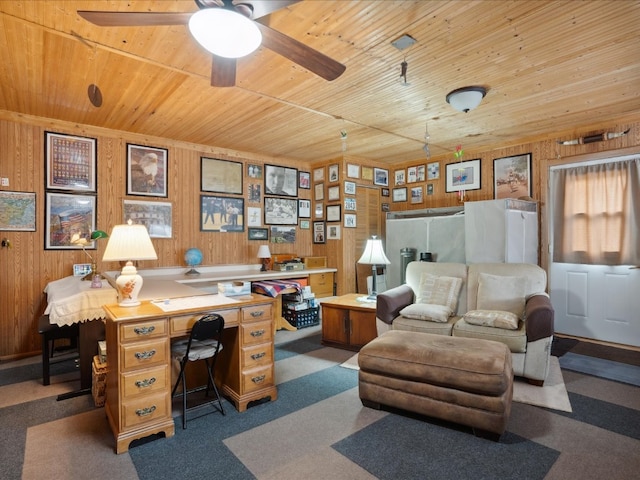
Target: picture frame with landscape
{"type": "Point", "coordinates": [220, 176]}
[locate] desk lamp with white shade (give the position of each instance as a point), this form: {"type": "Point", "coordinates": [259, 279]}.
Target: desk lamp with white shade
{"type": "Point", "coordinates": [373, 255]}
{"type": "Point", "coordinates": [264, 254]}
{"type": "Point", "coordinates": [129, 243]}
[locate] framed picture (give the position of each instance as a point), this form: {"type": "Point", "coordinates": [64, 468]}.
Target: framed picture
{"type": "Point", "coordinates": [400, 178]}
{"type": "Point", "coordinates": [254, 216]}
{"type": "Point", "coordinates": [254, 171]}
{"type": "Point", "coordinates": [333, 193]}
{"type": "Point", "coordinates": [304, 180]}
{"type": "Point", "coordinates": [433, 171]}
{"type": "Point", "coordinates": [367, 173]}
{"type": "Point", "coordinates": [350, 188]}
{"type": "Point", "coordinates": [350, 204]}
{"type": "Point", "coordinates": [420, 175]}
{"type": "Point", "coordinates": [283, 234]}
{"type": "Point", "coordinates": [147, 170]}
{"type": "Point", "coordinates": [304, 208]}
{"type": "Point", "coordinates": [70, 162]}
{"type": "Point", "coordinates": [280, 181]}
{"type": "Point", "coordinates": [512, 176]}
{"type": "Point", "coordinates": [304, 224]}
{"type": "Point", "coordinates": [221, 214]}
{"type": "Point", "coordinates": [319, 210]}
{"type": "Point", "coordinates": [333, 232]}
{"type": "Point", "coordinates": [156, 216]}
{"type": "Point", "coordinates": [353, 171]}
{"type": "Point", "coordinates": [280, 211]}
{"type": "Point", "coordinates": [429, 188]}
{"type": "Point", "coordinates": [258, 233]}
{"type": "Point", "coordinates": [319, 191]}
{"type": "Point", "coordinates": [384, 192]}
{"type": "Point", "coordinates": [17, 211]}
{"type": "Point", "coordinates": [318, 232]}
{"type": "Point", "coordinates": [412, 174]}
{"type": "Point", "coordinates": [385, 207]}
{"type": "Point", "coordinates": [254, 192]}
{"type": "Point", "coordinates": [318, 174]}
{"type": "Point", "coordinates": [221, 176]}
{"type": "Point", "coordinates": [333, 213]}
{"type": "Point", "coordinates": [66, 214]}
{"type": "Point", "coordinates": [381, 177]}
{"type": "Point", "coordinates": [81, 269]}
{"type": "Point", "coordinates": [400, 194]}
{"type": "Point", "coordinates": [416, 194]}
{"type": "Point", "coordinates": [333, 173]}
{"type": "Point", "coordinates": [463, 176]}
{"type": "Point", "coordinates": [350, 220]}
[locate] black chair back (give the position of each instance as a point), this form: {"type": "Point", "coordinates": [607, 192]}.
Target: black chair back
{"type": "Point", "coordinates": [208, 327]}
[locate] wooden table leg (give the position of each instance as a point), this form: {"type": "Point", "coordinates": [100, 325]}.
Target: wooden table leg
{"type": "Point", "coordinates": [279, 322]}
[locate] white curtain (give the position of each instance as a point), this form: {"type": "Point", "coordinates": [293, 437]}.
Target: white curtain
{"type": "Point", "coordinates": [596, 213]}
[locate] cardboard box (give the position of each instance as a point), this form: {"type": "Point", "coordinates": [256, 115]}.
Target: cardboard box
{"type": "Point", "coordinates": [230, 289]}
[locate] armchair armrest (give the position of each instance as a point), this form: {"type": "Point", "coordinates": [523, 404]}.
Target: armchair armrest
{"type": "Point", "coordinates": [390, 302]}
{"type": "Point", "coordinates": [539, 314]}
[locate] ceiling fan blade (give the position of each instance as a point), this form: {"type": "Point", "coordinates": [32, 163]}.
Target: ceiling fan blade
{"type": "Point", "coordinates": [223, 72]}
{"type": "Point", "coordinates": [298, 52]}
{"type": "Point", "coordinates": [135, 19]}
{"type": "Point", "coordinates": [262, 8]}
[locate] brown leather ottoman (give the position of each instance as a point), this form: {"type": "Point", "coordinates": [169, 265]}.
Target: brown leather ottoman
{"type": "Point", "coordinates": [462, 380]}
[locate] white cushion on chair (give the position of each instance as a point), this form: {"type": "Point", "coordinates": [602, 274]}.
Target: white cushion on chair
{"type": "Point", "coordinates": [427, 311]}
{"type": "Point", "coordinates": [439, 290]}
{"type": "Point", "coordinates": [199, 349]}
{"type": "Point", "coordinates": [497, 292]}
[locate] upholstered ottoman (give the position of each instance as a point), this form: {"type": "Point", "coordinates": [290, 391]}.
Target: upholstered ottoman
{"type": "Point", "coordinates": [462, 380]}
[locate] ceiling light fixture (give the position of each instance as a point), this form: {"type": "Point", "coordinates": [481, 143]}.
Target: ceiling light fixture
{"type": "Point", "coordinates": [466, 98]}
{"type": "Point", "coordinates": [225, 32]}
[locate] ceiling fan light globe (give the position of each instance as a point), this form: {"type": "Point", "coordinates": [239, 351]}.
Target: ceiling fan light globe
{"type": "Point", "coordinates": [225, 33]}
{"type": "Point", "coordinates": [466, 98]}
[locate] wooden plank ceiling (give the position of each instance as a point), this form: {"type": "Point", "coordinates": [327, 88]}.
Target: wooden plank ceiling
{"type": "Point", "coordinates": [553, 70]}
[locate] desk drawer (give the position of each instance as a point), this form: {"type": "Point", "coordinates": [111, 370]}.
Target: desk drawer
{"type": "Point", "coordinates": [182, 324]}
{"type": "Point", "coordinates": [257, 313]}
{"type": "Point", "coordinates": [146, 381]}
{"type": "Point", "coordinates": [321, 283]}
{"type": "Point", "coordinates": [143, 330]}
{"type": "Point", "coordinates": [145, 409]}
{"type": "Point", "coordinates": [144, 354]}
{"type": "Point", "coordinates": [257, 355]}
{"type": "Point", "coordinates": [257, 378]}
{"type": "Point", "coordinates": [258, 332]}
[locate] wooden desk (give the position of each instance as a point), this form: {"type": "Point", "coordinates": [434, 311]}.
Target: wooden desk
{"type": "Point", "coordinates": [348, 323]}
{"type": "Point", "coordinates": [138, 398]}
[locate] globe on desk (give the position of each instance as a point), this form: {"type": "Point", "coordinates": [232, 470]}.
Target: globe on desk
{"type": "Point", "coordinates": [193, 258]}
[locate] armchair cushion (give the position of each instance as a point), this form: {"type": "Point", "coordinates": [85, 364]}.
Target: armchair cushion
{"type": "Point", "coordinates": [427, 311]}
{"type": "Point", "coordinates": [496, 292]}
{"type": "Point", "coordinates": [390, 302]}
{"type": "Point", "coordinates": [439, 290]}
{"type": "Point", "coordinates": [492, 318]}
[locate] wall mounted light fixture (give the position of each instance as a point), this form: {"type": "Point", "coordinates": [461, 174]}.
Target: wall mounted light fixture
{"type": "Point", "coordinates": [466, 98]}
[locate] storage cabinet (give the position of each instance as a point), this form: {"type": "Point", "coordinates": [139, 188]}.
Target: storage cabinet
{"type": "Point", "coordinates": [347, 323]}
{"type": "Point", "coordinates": [321, 284]}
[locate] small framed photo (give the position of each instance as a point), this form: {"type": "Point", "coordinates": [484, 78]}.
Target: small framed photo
{"type": "Point", "coordinates": [416, 195]}
{"type": "Point", "coordinates": [400, 194]}
{"type": "Point", "coordinates": [70, 162]}
{"type": "Point", "coordinates": [350, 204]}
{"type": "Point", "coordinates": [254, 171]}
{"type": "Point", "coordinates": [386, 207]}
{"type": "Point", "coordinates": [17, 211]}
{"type": "Point", "coordinates": [280, 211]}
{"type": "Point", "coordinates": [319, 191]}
{"type": "Point", "coordinates": [381, 177]}
{"type": "Point", "coordinates": [66, 214]}
{"type": "Point", "coordinates": [304, 208]}
{"type": "Point", "coordinates": [147, 170]}
{"type": "Point", "coordinates": [333, 213]}
{"type": "Point", "coordinates": [319, 210]}
{"type": "Point", "coordinates": [281, 234]}
{"type": "Point", "coordinates": [333, 193]}
{"type": "Point", "coordinates": [280, 181]}
{"type": "Point", "coordinates": [350, 188]}
{"type": "Point", "coordinates": [255, 192]}
{"type": "Point", "coordinates": [384, 192]}
{"type": "Point", "coordinates": [258, 233]}
{"type": "Point", "coordinates": [420, 174]}
{"type": "Point", "coordinates": [400, 178]}
{"type": "Point", "coordinates": [367, 173]}
{"type": "Point", "coordinates": [304, 224]}
{"type": "Point", "coordinates": [429, 188]}
{"type": "Point", "coordinates": [512, 176]}
{"type": "Point", "coordinates": [304, 180]}
{"type": "Point", "coordinates": [433, 171]}
{"type": "Point", "coordinates": [81, 269]}
{"type": "Point", "coordinates": [463, 176]}
{"type": "Point", "coordinates": [350, 220]}
{"type": "Point", "coordinates": [412, 174]}
{"type": "Point", "coordinates": [333, 173]}
{"type": "Point", "coordinates": [318, 174]}
{"type": "Point", "coordinates": [221, 176]}
{"type": "Point", "coordinates": [333, 232]}
{"type": "Point", "coordinates": [353, 171]}
{"type": "Point", "coordinates": [156, 216]}
{"type": "Point", "coordinates": [318, 232]}
{"type": "Point", "coordinates": [221, 214]}
{"type": "Point", "coordinates": [254, 217]}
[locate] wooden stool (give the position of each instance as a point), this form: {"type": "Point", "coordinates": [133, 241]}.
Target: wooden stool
{"type": "Point", "coordinates": [51, 332]}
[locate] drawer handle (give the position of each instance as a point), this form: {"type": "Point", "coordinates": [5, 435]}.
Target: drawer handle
{"type": "Point", "coordinates": [143, 412]}
{"type": "Point", "coordinates": [144, 330]}
{"type": "Point", "coordinates": [258, 313]}
{"type": "Point", "coordinates": [257, 356]}
{"type": "Point", "coordinates": [145, 355]}
{"type": "Point", "coordinates": [257, 333]}
{"type": "Point", "coordinates": [147, 382]}
{"type": "Point", "coordinates": [258, 379]}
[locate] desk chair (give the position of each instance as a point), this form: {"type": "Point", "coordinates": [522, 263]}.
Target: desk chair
{"type": "Point", "coordinates": [204, 343]}
{"type": "Point", "coordinates": [51, 332]}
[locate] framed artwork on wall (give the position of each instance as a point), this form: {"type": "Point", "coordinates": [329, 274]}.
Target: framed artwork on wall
{"type": "Point", "coordinates": [350, 188]}
{"type": "Point", "coordinates": [280, 211]}
{"type": "Point", "coordinates": [318, 232]}
{"type": "Point", "coordinates": [66, 214]}
{"type": "Point", "coordinates": [367, 173]}
{"type": "Point", "coordinates": [280, 181]}
{"type": "Point", "coordinates": [416, 194]}
{"type": "Point", "coordinates": [304, 224]}
{"type": "Point", "coordinates": [333, 193]}
{"type": "Point", "coordinates": [304, 180]}
{"type": "Point", "coordinates": [381, 177]}
{"type": "Point", "coordinates": [319, 210]}
{"type": "Point", "coordinates": [333, 232]}
{"type": "Point", "coordinates": [283, 234]}
{"type": "Point", "coordinates": [512, 176]}
{"type": "Point", "coordinates": [319, 191]}
{"type": "Point", "coordinates": [221, 176]}
{"type": "Point", "coordinates": [147, 170]}
{"type": "Point", "coordinates": [353, 171]}
{"type": "Point", "coordinates": [304, 208]}
{"type": "Point", "coordinates": [221, 214]}
{"type": "Point", "coordinates": [156, 216]}
{"type": "Point", "coordinates": [333, 173]}
{"type": "Point", "coordinates": [17, 211]}
{"type": "Point", "coordinates": [400, 194]}
{"type": "Point", "coordinates": [350, 220]}
{"type": "Point", "coordinates": [400, 178]}
{"type": "Point", "coordinates": [433, 171]}
{"type": "Point", "coordinates": [318, 174]}
{"type": "Point", "coordinates": [254, 171]}
{"type": "Point", "coordinates": [333, 213]}
{"type": "Point", "coordinates": [254, 216]}
{"type": "Point", "coordinates": [70, 162]}
{"type": "Point", "coordinates": [258, 233]}
{"type": "Point", "coordinates": [463, 176]}
{"type": "Point", "coordinates": [350, 204]}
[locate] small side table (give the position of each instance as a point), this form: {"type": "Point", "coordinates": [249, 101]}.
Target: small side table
{"type": "Point", "coordinates": [348, 323]}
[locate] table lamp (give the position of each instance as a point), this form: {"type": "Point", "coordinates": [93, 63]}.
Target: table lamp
{"type": "Point", "coordinates": [373, 255]}
{"type": "Point", "coordinates": [77, 239]}
{"type": "Point", "coordinates": [265, 255]}
{"type": "Point", "coordinates": [127, 243]}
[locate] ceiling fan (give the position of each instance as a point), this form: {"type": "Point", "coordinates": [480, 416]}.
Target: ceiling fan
{"type": "Point", "coordinates": [223, 72]}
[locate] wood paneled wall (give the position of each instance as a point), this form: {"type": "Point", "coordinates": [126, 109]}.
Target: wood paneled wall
{"type": "Point", "coordinates": [26, 267]}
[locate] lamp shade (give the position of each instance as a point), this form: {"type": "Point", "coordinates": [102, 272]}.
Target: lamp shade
{"type": "Point", "coordinates": [263, 251]}
{"type": "Point", "coordinates": [374, 253]}
{"type": "Point", "coordinates": [224, 32]}
{"type": "Point", "coordinates": [466, 98]}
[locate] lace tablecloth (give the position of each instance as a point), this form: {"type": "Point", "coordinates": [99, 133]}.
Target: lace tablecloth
{"type": "Point", "coordinates": [71, 300]}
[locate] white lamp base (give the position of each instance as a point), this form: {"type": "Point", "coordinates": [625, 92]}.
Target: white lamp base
{"type": "Point", "coordinates": [129, 284]}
